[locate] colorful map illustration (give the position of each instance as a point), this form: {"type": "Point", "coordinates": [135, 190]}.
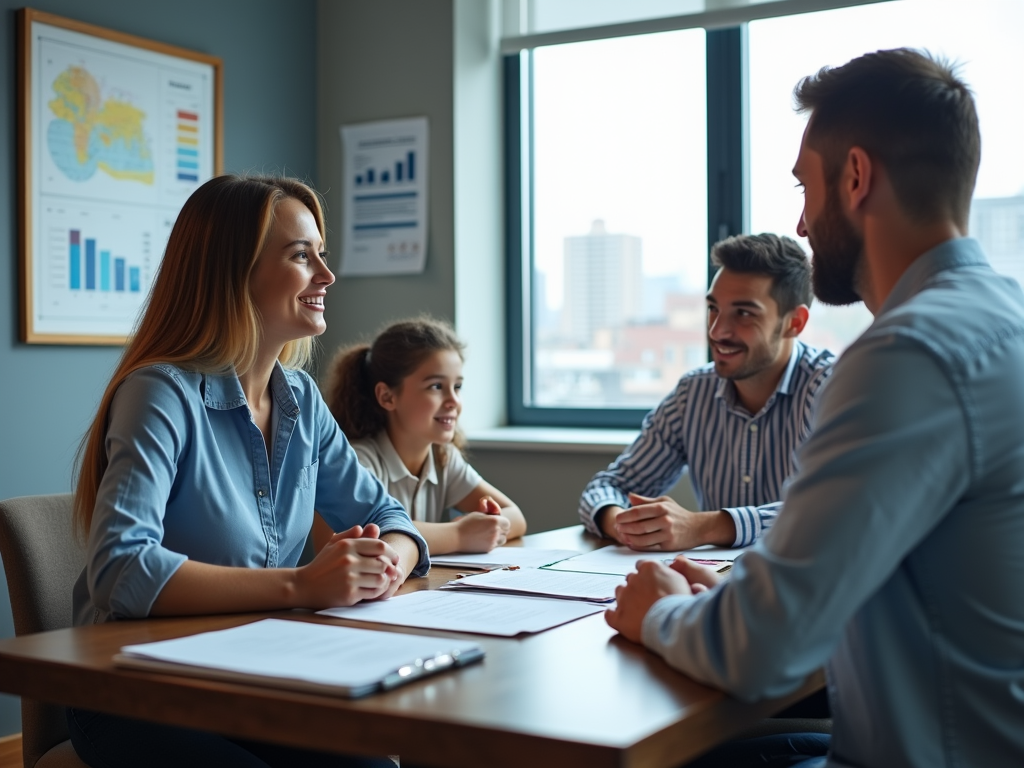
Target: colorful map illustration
{"type": "Point", "coordinates": [90, 133]}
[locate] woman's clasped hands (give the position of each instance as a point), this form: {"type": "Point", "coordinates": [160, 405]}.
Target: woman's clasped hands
{"type": "Point", "coordinates": [354, 565]}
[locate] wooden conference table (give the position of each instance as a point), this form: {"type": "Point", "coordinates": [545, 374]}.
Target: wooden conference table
{"type": "Point", "coordinates": [575, 695]}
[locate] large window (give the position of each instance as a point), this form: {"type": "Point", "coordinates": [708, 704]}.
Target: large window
{"type": "Point", "coordinates": [612, 208]}
{"type": "Point", "coordinates": [619, 218]}
{"type": "Point", "coordinates": [985, 40]}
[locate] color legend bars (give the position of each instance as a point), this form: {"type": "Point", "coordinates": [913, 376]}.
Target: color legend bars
{"type": "Point", "coordinates": [188, 146]}
{"type": "Point", "coordinates": [119, 264]}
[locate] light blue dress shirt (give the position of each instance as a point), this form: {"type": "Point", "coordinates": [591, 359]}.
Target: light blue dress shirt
{"type": "Point", "coordinates": [898, 556]}
{"type": "Point", "coordinates": [738, 461]}
{"type": "Point", "coordinates": [190, 477]}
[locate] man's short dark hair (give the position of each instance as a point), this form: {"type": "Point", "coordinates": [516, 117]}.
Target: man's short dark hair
{"type": "Point", "coordinates": [780, 258]}
{"type": "Point", "coordinates": [911, 112]}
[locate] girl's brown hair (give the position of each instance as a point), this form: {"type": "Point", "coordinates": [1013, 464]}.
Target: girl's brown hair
{"type": "Point", "coordinates": [396, 352]}
{"type": "Point", "coordinates": [199, 313]}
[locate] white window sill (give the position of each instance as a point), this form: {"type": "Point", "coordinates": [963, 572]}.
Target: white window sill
{"type": "Point", "coordinates": [552, 439]}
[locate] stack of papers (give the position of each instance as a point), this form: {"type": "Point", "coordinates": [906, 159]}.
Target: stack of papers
{"type": "Point", "coordinates": [524, 557]}
{"type": "Point", "coordinates": [299, 655]}
{"type": "Point", "coordinates": [566, 585]}
{"type": "Point", "coordinates": [623, 560]}
{"type": "Point", "coordinates": [502, 615]}
{"type": "Point", "coordinates": [534, 590]}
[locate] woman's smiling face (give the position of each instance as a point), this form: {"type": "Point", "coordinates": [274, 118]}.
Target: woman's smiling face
{"type": "Point", "coordinates": [290, 279]}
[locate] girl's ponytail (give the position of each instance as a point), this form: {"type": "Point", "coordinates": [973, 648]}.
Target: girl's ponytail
{"type": "Point", "coordinates": [350, 393]}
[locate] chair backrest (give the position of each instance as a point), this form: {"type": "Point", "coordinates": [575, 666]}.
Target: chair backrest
{"type": "Point", "coordinates": [42, 561]}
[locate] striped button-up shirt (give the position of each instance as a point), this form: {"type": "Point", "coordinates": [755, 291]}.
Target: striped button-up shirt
{"type": "Point", "coordinates": [738, 461]}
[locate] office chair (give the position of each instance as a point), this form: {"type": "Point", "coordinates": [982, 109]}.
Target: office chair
{"type": "Point", "coordinates": [42, 561]}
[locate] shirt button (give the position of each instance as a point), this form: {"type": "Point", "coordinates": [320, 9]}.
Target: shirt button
{"type": "Point", "coordinates": [260, 493]}
{"type": "Point", "coordinates": [753, 427]}
{"type": "Point", "coordinates": [746, 479]}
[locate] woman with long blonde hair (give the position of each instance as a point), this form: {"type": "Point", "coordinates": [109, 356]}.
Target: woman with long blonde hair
{"type": "Point", "coordinates": [211, 448]}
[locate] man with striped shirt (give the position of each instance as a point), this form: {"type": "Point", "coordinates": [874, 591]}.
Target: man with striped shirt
{"type": "Point", "coordinates": [734, 423]}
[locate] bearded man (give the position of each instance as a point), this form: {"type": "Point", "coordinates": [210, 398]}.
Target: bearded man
{"type": "Point", "coordinates": [897, 560]}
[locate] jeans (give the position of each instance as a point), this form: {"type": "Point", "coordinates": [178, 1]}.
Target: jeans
{"type": "Point", "coordinates": [783, 750]}
{"type": "Point", "coordinates": [108, 741]}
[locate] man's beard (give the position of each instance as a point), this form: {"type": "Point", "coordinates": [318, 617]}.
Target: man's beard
{"type": "Point", "coordinates": [837, 251]}
{"type": "Point", "coordinates": [760, 358]}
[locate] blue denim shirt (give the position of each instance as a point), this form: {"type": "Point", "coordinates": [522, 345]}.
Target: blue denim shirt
{"type": "Point", "coordinates": [898, 556]}
{"type": "Point", "coordinates": [189, 477]}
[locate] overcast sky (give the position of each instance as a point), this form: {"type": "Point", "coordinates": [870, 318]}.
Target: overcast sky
{"type": "Point", "coordinates": [620, 124]}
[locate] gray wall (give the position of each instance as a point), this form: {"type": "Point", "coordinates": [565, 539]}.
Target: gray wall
{"type": "Point", "coordinates": [378, 60]}
{"type": "Point", "coordinates": [50, 392]}
{"type": "Point", "coordinates": [382, 59]}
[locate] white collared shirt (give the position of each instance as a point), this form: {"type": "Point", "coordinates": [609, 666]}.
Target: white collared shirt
{"type": "Point", "coordinates": [437, 488]}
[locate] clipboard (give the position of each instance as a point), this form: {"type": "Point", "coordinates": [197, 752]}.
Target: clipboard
{"type": "Point", "coordinates": [303, 656]}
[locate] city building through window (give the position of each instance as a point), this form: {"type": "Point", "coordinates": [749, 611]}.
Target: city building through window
{"type": "Point", "coordinates": [610, 194]}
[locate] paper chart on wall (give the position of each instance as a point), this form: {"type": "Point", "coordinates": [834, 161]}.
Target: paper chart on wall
{"type": "Point", "coordinates": [384, 187]}
{"type": "Point", "coordinates": [119, 136]}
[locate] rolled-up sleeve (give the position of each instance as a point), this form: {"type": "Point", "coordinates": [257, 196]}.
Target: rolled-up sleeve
{"type": "Point", "coordinates": [348, 494]}
{"type": "Point", "coordinates": [127, 565]}
{"type": "Point", "coordinates": [877, 474]}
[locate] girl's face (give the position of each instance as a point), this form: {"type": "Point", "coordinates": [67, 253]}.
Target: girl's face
{"type": "Point", "coordinates": [290, 279]}
{"type": "Point", "coordinates": [427, 404]}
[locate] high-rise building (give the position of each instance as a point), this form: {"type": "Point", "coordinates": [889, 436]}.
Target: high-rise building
{"type": "Point", "coordinates": [545, 318]}
{"type": "Point", "coordinates": [603, 283]}
{"type": "Point", "coordinates": [998, 224]}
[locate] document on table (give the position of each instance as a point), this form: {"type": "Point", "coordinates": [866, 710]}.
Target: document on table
{"type": "Point", "coordinates": [567, 585]}
{"type": "Point", "coordinates": [524, 557]}
{"type": "Point", "coordinates": [623, 560]}
{"type": "Point", "coordinates": [300, 655]}
{"type": "Point", "coordinates": [502, 615]}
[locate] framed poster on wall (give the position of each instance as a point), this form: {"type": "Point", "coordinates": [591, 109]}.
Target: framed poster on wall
{"type": "Point", "coordinates": [114, 133]}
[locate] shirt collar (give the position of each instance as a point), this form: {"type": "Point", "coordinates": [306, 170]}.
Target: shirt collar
{"type": "Point", "coordinates": [223, 392]}
{"type": "Point", "coordinates": [958, 252]}
{"type": "Point", "coordinates": [727, 389]}
{"type": "Point", "coordinates": [396, 467]}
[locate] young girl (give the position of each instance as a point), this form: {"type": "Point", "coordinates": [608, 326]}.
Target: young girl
{"type": "Point", "coordinates": [398, 401]}
{"type": "Point", "coordinates": [210, 450]}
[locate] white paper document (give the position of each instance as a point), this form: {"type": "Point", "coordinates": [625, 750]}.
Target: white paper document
{"type": "Point", "coordinates": [300, 655]}
{"type": "Point", "coordinates": [566, 585]}
{"type": "Point", "coordinates": [502, 615]}
{"type": "Point", "coordinates": [524, 557]}
{"type": "Point", "coordinates": [623, 560]}
{"type": "Point", "coordinates": [384, 189]}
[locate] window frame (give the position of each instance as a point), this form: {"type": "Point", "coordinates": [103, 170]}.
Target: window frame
{"type": "Point", "coordinates": [727, 211]}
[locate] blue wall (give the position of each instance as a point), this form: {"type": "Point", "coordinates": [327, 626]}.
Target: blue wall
{"type": "Point", "coordinates": [47, 393]}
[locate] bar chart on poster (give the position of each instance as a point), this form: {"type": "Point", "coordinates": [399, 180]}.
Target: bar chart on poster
{"type": "Point", "coordinates": [121, 135]}
{"type": "Point", "coordinates": [99, 262]}
{"type": "Point", "coordinates": [384, 207]}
